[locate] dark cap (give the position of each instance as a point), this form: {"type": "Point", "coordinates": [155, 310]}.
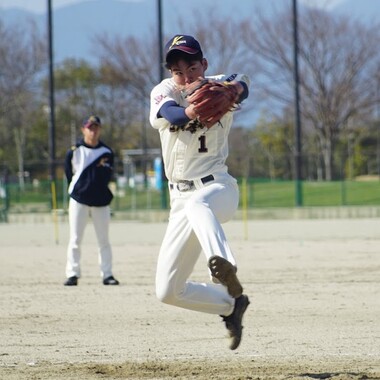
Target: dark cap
{"type": "Point", "coordinates": [187, 44]}
{"type": "Point", "coordinates": [92, 120]}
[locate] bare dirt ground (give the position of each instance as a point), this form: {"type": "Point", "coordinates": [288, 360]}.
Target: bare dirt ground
{"type": "Point", "coordinates": [314, 287]}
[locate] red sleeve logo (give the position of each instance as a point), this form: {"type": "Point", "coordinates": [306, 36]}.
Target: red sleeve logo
{"type": "Point", "coordinates": [159, 98]}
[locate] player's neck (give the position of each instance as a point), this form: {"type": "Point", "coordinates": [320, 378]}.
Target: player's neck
{"type": "Point", "coordinates": [91, 142]}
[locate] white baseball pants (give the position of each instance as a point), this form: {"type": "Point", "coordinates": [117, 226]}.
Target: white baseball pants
{"type": "Point", "coordinates": [194, 226]}
{"type": "Point", "coordinates": [78, 217]}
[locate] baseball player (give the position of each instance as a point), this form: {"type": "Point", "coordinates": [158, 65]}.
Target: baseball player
{"type": "Point", "coordinates": [202, 193]}
{"type": "Point", "coordinates": [88, 169]}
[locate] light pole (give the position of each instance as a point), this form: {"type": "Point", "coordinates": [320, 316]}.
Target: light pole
{"type": "Point", "coordinates": [378, 122]}
{"type": "Point", "coordinates": [51, 96]}
{"type": "Point", "coordinates": [298, 152]}
{"type": "Point", "coordinates": [161, 75]}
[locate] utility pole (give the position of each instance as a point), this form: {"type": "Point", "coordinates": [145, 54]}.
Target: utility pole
{"type": "Point", "coordinates": [298, 149]}
{"type": "Point", "coordinates": [51, 97]}
{"type": "Point", "coordinates": [161, 75]}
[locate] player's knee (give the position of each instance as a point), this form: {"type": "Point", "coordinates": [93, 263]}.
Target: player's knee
{"type": "Point", "coordinates": [169, 294]}
{"type": "Point", "coordinates": [165, 294]}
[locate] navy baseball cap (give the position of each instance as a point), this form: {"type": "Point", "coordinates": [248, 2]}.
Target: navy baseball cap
{"type": "Point", "coordinates": [187, 44]}
{"type": "Point", "coordinates": [92, 120]}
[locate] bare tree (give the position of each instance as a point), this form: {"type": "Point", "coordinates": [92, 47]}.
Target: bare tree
{"type": "Point", "coordinates": [338, 58]}
{"type": "Point", "coordinates": [22, 58]}
{"type": "Point", "coordinates": [127, 66]}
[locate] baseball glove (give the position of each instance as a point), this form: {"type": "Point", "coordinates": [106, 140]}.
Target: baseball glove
{"type": "Point", "coordinates": [211, 100]}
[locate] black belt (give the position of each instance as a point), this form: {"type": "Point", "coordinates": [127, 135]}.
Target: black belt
{"type": "Point", "coordinates": [185, 185]}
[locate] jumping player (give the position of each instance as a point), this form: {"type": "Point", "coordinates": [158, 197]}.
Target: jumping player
{"type": "Point", "coordinates": [202, 193]}
{"type": "Point", "coordinates": [88, 169]}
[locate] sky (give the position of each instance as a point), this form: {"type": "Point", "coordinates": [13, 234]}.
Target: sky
{"type": "Point", "coordinates": [320, 3]}
{"type": "Point", "coordinates": [39, 6]}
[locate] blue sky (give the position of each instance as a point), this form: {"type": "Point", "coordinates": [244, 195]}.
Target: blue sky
{"type": "Point", "coordinates": [39, 6]}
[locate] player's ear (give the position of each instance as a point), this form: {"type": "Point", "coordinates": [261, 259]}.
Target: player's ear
{"type": "Point", "coordinates": [204, 64]}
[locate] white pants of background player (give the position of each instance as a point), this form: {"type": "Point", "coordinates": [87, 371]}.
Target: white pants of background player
{"type": "Point", "coordinates": [78, 217]}
{"type": "Point", "coordinates": [194, 226]}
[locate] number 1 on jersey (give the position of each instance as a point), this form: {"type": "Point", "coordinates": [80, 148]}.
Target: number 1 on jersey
{"type": "Point", "coordinates": [202, 144]}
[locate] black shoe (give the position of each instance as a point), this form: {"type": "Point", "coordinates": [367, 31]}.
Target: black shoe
{"type": "Point", "coordinates": [225, 273]}
{"type": "Point", "coordinates": [233, 321]}
{"type": "Point", "coordinates": [71, 281]}
{"type": "Point", "coordinates": [110, 281]}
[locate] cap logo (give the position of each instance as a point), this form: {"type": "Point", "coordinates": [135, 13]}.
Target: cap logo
{"type": "Point", "coordinates": [177, 41]}
{"type": "Point", "coordinates": [92, 120]}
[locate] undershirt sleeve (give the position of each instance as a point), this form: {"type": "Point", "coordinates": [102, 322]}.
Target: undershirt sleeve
{"type": "Point", "coordinates": [173, 113]}
{"type": "Point", "coordinates": [244, 94]}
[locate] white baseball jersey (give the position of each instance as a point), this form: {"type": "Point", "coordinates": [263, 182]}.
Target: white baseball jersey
{"type": "Point", "coordinates": [186, 155]}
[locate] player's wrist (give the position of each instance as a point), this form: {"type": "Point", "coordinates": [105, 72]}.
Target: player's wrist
{"type": "Point", "coordinates": [190, 112]}
{"type": "Point", "coordinates": [239, 87]}
{"type": "Point", "coordinates": [241, 90]}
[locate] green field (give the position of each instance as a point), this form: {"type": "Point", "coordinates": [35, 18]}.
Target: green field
{"type": "Point", "coordinates": [333, 193]}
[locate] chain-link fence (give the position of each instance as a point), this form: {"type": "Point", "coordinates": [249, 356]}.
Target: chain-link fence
{"type": "Point", "coordinates": [37, 196]}
{"type": "Point", "coordinates": [138, 190]}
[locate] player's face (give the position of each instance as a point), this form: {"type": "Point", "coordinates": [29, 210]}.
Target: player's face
{"type": "Point", "coordinates": [184, 72]}
{"type": "Point", "coordinates": [91, 134]}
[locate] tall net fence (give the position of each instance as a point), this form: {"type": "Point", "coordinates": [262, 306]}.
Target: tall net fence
{"type": "Point", "coordinates": [37, 196]}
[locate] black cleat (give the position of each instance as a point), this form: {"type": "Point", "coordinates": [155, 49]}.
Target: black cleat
{"type": "Point", "coordinates": [225, 273]}
{"type": "Point", "coordinates": [110, 281]}
{"type": "Point", "coordinates": [234, 321]}
{"type": "Point", "coordinates": [71, 281]}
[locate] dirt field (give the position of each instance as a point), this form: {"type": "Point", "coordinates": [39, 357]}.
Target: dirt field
{"type": "Point", "coordinates": [314, 287]}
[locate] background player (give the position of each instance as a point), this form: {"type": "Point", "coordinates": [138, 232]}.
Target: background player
{"type": "Point", "coordinates": [202, 193]}
{"type": "Point", "coordinates": [89, 168]}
